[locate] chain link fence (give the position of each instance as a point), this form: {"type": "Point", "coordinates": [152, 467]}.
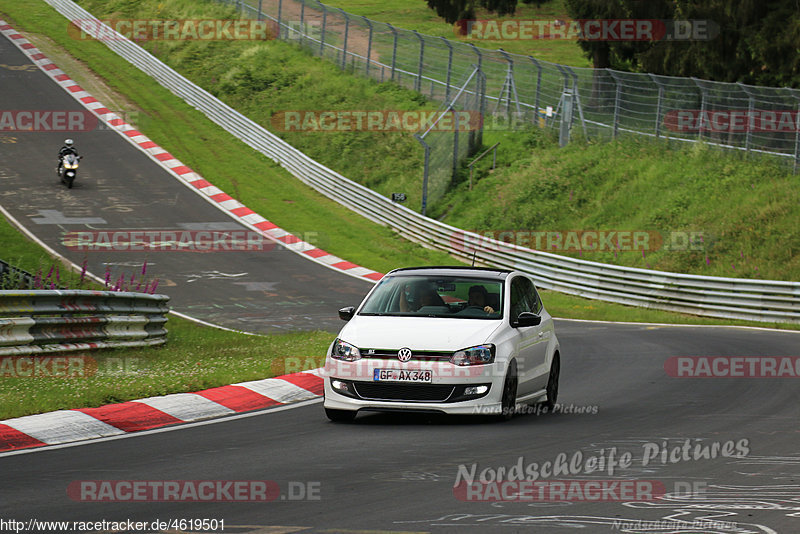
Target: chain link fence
{"type": "Point", "coordinates": [605, 103]}
{"type": "Point", "coordinates": [452, 136]}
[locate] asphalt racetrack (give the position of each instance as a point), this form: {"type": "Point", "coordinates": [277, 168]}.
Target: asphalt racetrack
{"type": "Point", "coordinates": [722, 451]}
{"type": "Point", "coordinates": [392, 473]}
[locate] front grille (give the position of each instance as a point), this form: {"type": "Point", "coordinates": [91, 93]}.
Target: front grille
{"type": "Point", "coordinates": [404, 392]}
{"type": "Point", "coordinates": [417, 355]}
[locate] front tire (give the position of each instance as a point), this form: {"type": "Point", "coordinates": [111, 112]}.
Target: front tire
{"type": "Point", "coordinates": [508, 401]}
{"type": "Point", "coordinates": [552, 383]}
{"type": "Point", "coordinates": [340, 416]}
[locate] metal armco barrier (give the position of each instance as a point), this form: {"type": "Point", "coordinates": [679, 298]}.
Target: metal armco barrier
{"type": "Point", "coordinates": [43, 321]}
{"type": "Point", "coordinates": [730, 298]}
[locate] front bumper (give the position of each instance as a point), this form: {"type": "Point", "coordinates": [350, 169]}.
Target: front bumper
{"type": "Point", "coordinates": [452, 390]}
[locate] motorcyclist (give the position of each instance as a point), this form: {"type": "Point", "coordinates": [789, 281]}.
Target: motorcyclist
{"type": "Point", "coordinates": [68, 148]}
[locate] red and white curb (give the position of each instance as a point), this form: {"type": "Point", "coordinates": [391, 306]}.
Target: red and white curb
{"type": "Point", "coordinates": [66, 426]}
{"type": "Point", "coordinates": [184, 174]}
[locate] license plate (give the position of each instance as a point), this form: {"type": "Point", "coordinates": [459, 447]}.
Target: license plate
{"type": "Point", "coordinates": [402, 375]}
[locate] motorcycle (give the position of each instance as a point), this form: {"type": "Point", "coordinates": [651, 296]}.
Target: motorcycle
{"type": "Point", "coordinates": [68, 169]}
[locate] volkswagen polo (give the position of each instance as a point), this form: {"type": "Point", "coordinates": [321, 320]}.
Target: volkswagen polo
{"type": "Point", "coordinates": [454, 340]}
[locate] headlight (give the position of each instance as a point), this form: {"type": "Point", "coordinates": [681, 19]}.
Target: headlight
{"type": "Point", "coordinates": [344, 351]}
{"type": "Point", "coordinates": [480, 355]}
{"type": "Point", "coordinates": [68, 166]}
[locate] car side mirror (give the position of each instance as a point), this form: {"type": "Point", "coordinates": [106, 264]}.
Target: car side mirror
{"type": "Point", "coordinates": [345, 314]}
{"type": "Point", "coordinates": [527, 319]}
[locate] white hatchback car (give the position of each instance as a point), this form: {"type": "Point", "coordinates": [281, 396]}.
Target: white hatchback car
{"type": "Point", "coordinates": [455, 340]}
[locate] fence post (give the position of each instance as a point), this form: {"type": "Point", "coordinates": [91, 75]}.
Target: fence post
{"type": "Point", "coordinates": [576, 95]}
{"type": "Point", "coordinates": [302, 21]}
{"type": "Point", "coordinates": [538, 85]}
{"type": "Point", "coordinates": [477, 53]}
{"type": "Point", "coordinates": [481, 90]}
{"type": "Point", "coordinates": [346, 32]}
{"type": "Point", "coordinates": [322, 35]}
{"type": "Point", "coordinates": [566, 119]}
{"type": "Point", "coordinates": [510, 85]}
{"type": "Point", "coordinates": [425, 172]}
{"type": "Point", "coordinates": [455, 141]}
{"type": "Point", "coordinates": [260, 13]}
{"type": "Point", "coordinates": [615, 129]}
{"type": "Point", "coordinates": [751, 120]}
{"type": "Point", "coordinates": [659, 105]}
{"type": "Point", "coordinates": [702, 107]}
{"type": "Point", "coordinates": [796, 145]}
{"type": "Point", "coordinates": [394, 49]}
{"type": "Point", "coordinates": [418, 84]}
{"type": "Point", "coordinates": [449, 68]}
{"type": "Point", "coordinates": [369, 43]}
{"type": "Point", "coordinates": [796, 133]}
{"type": "Point", "coordinates": [280, 8]}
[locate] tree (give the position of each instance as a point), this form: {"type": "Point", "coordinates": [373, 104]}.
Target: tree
{"type": "Point", "coordinates": [455, 10]}
{"type": "Point", "coordinates": [758, 41]}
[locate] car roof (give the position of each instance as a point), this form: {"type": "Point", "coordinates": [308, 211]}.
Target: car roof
{"type": "Point", "coordinates": [452, 270]}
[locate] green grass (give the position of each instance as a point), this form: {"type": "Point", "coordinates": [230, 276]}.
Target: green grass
{"type": "Point", "coordinates": [197, 358]}
{"type": "Point", "coordinates": [194, 359]}
{"type": "Point", "coordinates": [745, 211]}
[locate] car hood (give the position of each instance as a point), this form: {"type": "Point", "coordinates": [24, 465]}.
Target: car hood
{"type": "Point", "coordinates": [417, 333]}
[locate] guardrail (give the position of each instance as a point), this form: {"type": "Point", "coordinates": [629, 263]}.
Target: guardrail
{"type": "Point", "coordinates": [11, 276]}
{"type": "Point", "coordinates": [45, 321]}
{"type": "Point", "coordinates": [730, 298]}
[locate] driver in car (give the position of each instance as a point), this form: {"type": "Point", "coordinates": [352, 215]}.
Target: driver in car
{"type": "Point", "coordinates": [478, 297]}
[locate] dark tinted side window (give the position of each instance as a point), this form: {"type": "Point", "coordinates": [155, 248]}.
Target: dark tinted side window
{"type": "Point", "coordinates": [536, 301]}
{"type": "Point", "coordinates": [519, 297]}
{"type": "Point", "coordinates": [524, 297]}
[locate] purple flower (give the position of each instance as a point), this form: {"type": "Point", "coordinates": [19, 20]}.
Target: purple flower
{"type": "Point", "coordinates": [155, 285]}
{"type": "Point", "coordinates": [144, 267]}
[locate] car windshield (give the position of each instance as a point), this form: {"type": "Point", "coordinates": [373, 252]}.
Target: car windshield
{"type": "Point", "coordinates": [436, 296]}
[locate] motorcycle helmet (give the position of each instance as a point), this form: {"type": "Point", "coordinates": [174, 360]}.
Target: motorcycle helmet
{"type": "Point", "coordinates": [68, 143]}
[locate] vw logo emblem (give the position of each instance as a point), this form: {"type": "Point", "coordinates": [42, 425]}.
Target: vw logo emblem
{"type": "Point", "coordinates": [404, 354]}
